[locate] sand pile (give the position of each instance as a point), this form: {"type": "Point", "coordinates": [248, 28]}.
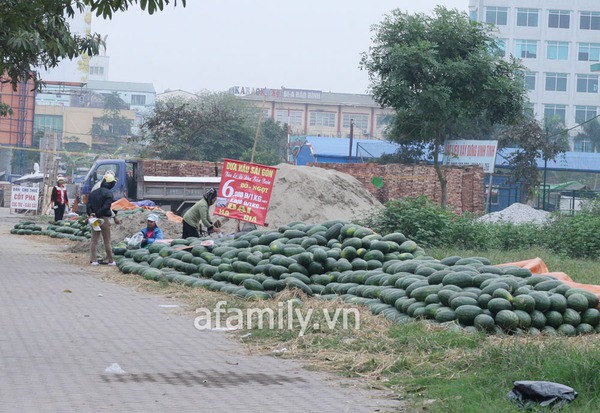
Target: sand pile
{"type": "Point", "coordinates": [314, 195]}
{"type": "Point", "coordinates": [300, 193]}
{"type": "Point", "coordinates": [518, 214]}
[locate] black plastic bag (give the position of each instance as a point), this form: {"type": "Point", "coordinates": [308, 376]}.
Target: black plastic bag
{"type": "Point", "coordinates": [527, 394]}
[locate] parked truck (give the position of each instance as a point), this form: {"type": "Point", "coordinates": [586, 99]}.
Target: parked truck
{"type": "Point", "coordinates": [173, 185]}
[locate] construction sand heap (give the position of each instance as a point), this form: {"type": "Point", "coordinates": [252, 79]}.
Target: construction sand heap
{"type": "Point", "coordinates": [314, 195]}
{"type": "Point", "coordinates": [517, 214]}
{"type": "Point", "coordinates": [309, 194]}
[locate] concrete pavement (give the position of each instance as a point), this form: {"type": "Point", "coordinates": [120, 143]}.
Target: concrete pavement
{"type": "Point", "coordinates": [61, 328]}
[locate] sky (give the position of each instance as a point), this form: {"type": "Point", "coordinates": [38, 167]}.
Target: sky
{"type": "Point", "coordinates": [214, 45]}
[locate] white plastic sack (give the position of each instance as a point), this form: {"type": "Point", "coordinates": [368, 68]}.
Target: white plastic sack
{"type": "Point", "coordinates": [135, 241]}
{"type": "Point", "coordinates": [95, 223]}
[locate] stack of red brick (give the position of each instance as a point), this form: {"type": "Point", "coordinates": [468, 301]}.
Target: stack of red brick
{"type": "Point", "coordinates": [465, 183]}
{"type": "Point", "coordinates": [181, 168]}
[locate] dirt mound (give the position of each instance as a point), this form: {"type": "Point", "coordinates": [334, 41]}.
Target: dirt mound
{"type": "Point", "coordinates": [314, 195]}
{"type": "Point", "coordinates": [300, 193]}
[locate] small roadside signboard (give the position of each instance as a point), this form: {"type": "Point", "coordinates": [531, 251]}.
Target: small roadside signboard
{"type": "Point", "coordinates": [24, 197]}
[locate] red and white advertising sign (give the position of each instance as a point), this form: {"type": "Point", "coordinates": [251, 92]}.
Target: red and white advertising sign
{"type": "Point", "coordinates": [471, 152]}
{"type": "Point", "coordinates": [245, 191]}
{"type": "Point", "coordinates": [24, 197]}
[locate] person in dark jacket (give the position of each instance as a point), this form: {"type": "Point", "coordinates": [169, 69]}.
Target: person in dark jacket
{"type": "Point", "coordinates": [152, 232]}
{"type": "Point", "coordinates": [59, 199]}
{"type": "Point", "coordinates": [99, 207]}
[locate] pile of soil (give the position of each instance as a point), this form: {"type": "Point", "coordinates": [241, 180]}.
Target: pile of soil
{"type": "Point", "coordinates": [300, 193]}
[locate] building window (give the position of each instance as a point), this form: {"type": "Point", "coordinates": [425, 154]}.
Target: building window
{"type": "Point", "coordinates": [473, 15]}
{"type": "Point", "coordinates": [48, 123]}
{"type": "Point", "coordinates": [322, 119]}
{"type": "Point", "coordinates": [583, 145]}
{"type": "Point", "coordinates": [589, 20]}
{"type": "Point", "coordinates": [501, 44]}
{"type": "Point", "coordinates": [528, 110]}
{"type": "Point", "coordinates": [360, 121]}
{"type": "Point", "coordinates": [558, 51]}
{"type": "Point", "coordinates": [589, 52]}
{"type": "Point", "coordinates": [496, 15]}
{"type": "Point", "coordinates": [96, 70]}
{"type": "Point", "coordinates": [585, 113]}
{"type": "Point", "coordinates": [551, 111]}
{"type": "Point", "coordinates": [138, 99]}
{"type": "Point", "coordinates": [559, 19]}
{"type": "Point", "coordinates": [383, 121]}
{"type": "Point", "coordinates": [529, 78]}
{"type": "Point", "coordinates": [556, 82]}
{"type": "Point", "coordinates": [526, 49]}
{"type": "Point", "coordinates": [587, 83]}
{"type": "Point", "coordinates": [527, 17]}
{"type": "Point", "coordinates": [290, 117]}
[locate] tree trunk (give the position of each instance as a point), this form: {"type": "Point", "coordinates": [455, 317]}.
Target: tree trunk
{"type": "Point", "coordinates": [440, 173]}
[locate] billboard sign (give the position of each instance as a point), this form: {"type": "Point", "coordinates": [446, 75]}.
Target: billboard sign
{"type": "Point", "coordinates": [471, 152]}
{"type": "Point", "coordinates": [245, 191]}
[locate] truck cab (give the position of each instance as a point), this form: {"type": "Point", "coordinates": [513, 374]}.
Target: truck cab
{"type": "Point", "coordinates": [122, 170]}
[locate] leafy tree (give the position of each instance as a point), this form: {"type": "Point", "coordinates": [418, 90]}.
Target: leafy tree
{"type": "Point", "coordinates": [209, 126]}
{"type": "Point", "coordinates": [72, 144]}
{"type": "Point", "coordinates": [532, 140]}
{"type": "Point", "coordinates": [271, 147]}
{"type": "Point", "coordinates": [112, 129]}
{"type": "Point", "coordinates": [35, 33]}
{"type": "Point", "coordinates": [590, 132]}
{"type": "Point", "coordinates": [440, 72]}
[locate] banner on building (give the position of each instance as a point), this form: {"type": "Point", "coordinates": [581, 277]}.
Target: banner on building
{"type": "Point", "coordinates": [245, 191]}
{"type": "Point", "coordinates": [469, 152]}
{"type": "Point", "coordinates": [24, 197]}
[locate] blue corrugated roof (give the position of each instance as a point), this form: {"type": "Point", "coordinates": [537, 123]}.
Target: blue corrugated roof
{"type": "Point", "coordinates": [569, 161]}
{"type": "Point", "coordinates": [366, 148]}
{"type": "Point", "coordinates": [370, 148]}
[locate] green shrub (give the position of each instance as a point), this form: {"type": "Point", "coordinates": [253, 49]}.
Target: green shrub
{"type": "Point", "coordinates": [507, 236]}
{"type": "Point", "coordinates": [419, 219]}
{"type": "Point", "coordinates": [429, 226]}
{"type": "Point", "coordinates": [574, 236]}
{"type": "Point", "coordinates": [467, 232]}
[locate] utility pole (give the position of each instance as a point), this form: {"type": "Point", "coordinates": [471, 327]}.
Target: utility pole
{"type": "Point", "coordinates": [351, 138]}
{"type": "Point", "coordinates": [545, 168]}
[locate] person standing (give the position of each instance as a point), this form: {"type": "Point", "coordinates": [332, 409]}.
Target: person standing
{"type": "Point", "coordinates": [59, 199]}
{"type": "Point", "coordinates": [99, 206]}
{"type": "Point", "coordinates": [198, 215]}
{"type": "Point", "coordinates": [152, 232]}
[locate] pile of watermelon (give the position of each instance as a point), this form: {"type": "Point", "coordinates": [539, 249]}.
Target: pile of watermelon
{"type": "Point", "coordinates": [389, 274]}
{"type": "Point", "coordinates": [27, 228]}
{"type": "Point", "coordinates": [74, 230]}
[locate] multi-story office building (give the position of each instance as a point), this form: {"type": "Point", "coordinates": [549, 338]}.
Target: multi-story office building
{"type": "Point", "coordinates": [317, 113]}
{"type": "Point", "coordinates": [559, 42]}
{"type": "Point", "coordinates": [70, 109]}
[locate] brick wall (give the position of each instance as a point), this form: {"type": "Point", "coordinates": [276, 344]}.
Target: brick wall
{"type": "Point", "coordinates": [465, 183]}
